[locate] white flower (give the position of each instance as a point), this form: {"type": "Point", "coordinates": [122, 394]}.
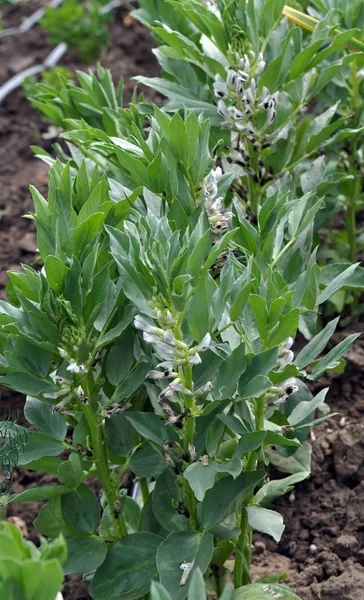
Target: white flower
{"type": "Point", "coordinates": [223, 110]}
{"type": "Point", "coordinates": [151, 338]}
{"type": "Point", "coordinates": [73, 367]}
{"type": "Point", "coordinates": [62, 352]}
{"type": "Point", "coordinates": [177, 386]}
{"type": "Point", "coordinates": [161, 374]}
{"type": "Point", "coordinates": [288, 343]}
{"type": "Point", "coordinates": [204, 344]}
{"type": "Point", "coordinates": [287, 358]}
{"type": "Point", "coordinates": [195, 359]}
{"type": "Point", "coordinates": [51, 395]}
{"type": "Point", "coordinates": [141, 323]}
{"type": "Point", "coordinates": [170, 317]}
{"type": "Point", "coordinates": [79, 391]}
{"type": "Point", "coordinates": [289, 386]}
{"type": "Point", "coordinates": [204, 389]}
{"type": "Point", "coordinates": [220, 89]}
{"type": "Point", "coordinates": [169, 338]}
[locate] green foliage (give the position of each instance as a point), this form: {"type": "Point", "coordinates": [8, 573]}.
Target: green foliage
{"type": "Point", "coordinates": [80, 25]}
{"type": "Point", "coordinates": [28, 572]}
{"type": "Point", "coordinates": [161, 326]}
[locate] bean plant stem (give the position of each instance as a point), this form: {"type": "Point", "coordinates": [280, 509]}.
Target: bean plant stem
{"type": "Point", "coordinates": [101, 459]}
{"type": "Point", "coordinates": [189, 431]}
{"type": "Point", "coordinates": [243, 554]}
{"type": "Point", "coordinates": [144, 488]}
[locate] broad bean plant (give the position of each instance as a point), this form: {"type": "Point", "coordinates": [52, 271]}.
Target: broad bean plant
{"type": "Point", "coordinates": [282, 104]}
{"type": "Point", "coordinates": [157, 339]}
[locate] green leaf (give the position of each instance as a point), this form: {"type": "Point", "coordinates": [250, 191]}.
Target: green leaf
{"type": "Point", "coordinates": [167, 499]}
{"type": "Point", "coordinates": [150, 427]}
{"type": "Point", "coordinates": [128, 315]}
{"type": "Point", "coordinates": [132, 514]}
{"type": "Point", "coordinates": [56, 272]}
{"type": "Point", "coordinates": [45, 419]}
{"type": "Point", "coordinates": [84, 554]}
{"type": "Point", "coordinates": [265, 591]}
{"type": "Point", "coordinates": [248, 442]}
{"type": "Point", "coordinates": [276, 488]}
{"type": "Point", "coordinates": [81, 509]}
{"type": "Point", "coordinates": [27, 384]}
{"type": "Point", "coordinates": [255, 388]}
{"type": "Point", "coordinates": [47, 464]}
{"type": "Point", "coordinates": [260, 364]}
{"type": "Point", "coordinates": [286, 327]}
{"type": "Point", "coordinates": [128, 569]}
{"type": "Point", "coordinates": [38, 446]}
{"type": "Point", "coordinates": [119, 436]}
{"type": "Point", "coordinates": [304, 409]}
{"type": "Point", "coordinates": [38, 494]}
{"type": "Point", "coordinates": [336, 284]}
{"type": "Point", "coordinates": [296, 463]}
{"type": "Point", "coordinates": [229, 373]}
{"type": "Point", "coordinates": [70, 472]}
{"type": "Point", "coordinates": [199, 314]}
{"type": "Point", "coordinates": [226, 494]}
{"type": "Point", "coordinates": [259, 307]}
{"type": "Point", "coordinates": [238, 305]}
{"type": "Point", "coordinates": [196, 588]}
{"type": "Point", "coordinates": [50, 520]}
{"type": "Point", "coordinates": [200, 477]}
{"type": "Point", "coordinates": [265, 521]}
{"type": "Point", "coordinates": [316, 345]}
{"type": "Point", "coordinates": [147, 462]}
{"type": "Point", "coordinates": [182, 547]}
{"type": "Point", "coordinates": [158, 592]}
{"type": "Point", "coordinates": [332, 358]}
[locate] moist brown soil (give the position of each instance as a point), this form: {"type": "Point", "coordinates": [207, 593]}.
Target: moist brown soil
{"type": "Point", "coordinates": [322, 549]}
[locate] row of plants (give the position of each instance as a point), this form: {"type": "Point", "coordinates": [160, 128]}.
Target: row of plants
{"type": "Point", "coordinates": [184, 249]}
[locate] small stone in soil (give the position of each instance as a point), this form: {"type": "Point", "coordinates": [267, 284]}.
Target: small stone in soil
{"type": "Point", "coordinates": [260, 547]}
{"type": "Point", "coordinates": [346, 545]}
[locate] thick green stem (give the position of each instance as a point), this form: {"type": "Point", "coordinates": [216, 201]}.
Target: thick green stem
{"type": "Point", "coordinates": [144, 488]}
{"type": "Point", "coordinates": [101, 460]}
{"type": "Point", "coordinates": [189, 427]}
{"type": "Point", "coordinates": [243, 553]}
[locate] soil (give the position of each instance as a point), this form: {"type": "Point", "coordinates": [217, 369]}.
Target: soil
{"type": "Point", "coordinates": [322, 549]}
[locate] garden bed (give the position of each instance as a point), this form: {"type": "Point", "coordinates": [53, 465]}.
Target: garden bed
{"type": "Point", "coordinates": [21, 126]}
{"type": "Point", "coordinates": [322, 547]}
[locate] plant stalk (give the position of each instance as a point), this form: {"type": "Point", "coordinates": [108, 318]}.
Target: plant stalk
{"type": "Point", "coordinates": [144, 488]}
{"type": "Point", "coordinates": [101, 459]}
{"type": "Point", "coordinates": [243, 554]}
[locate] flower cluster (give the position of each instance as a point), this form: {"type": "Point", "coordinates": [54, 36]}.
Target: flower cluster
{"type": "Point", "coordinates": [213, 203]}
{"type": "Point", "coordinates": [244, 102]}
{"type": "Point", "coordinates": [175, 354]}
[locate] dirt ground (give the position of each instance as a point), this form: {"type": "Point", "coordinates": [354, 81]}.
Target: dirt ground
{"type": "Point", "coordinates": [322, 549]}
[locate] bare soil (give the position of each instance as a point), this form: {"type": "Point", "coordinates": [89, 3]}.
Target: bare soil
{"type": "Point", "coordinates": [322, 549]}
